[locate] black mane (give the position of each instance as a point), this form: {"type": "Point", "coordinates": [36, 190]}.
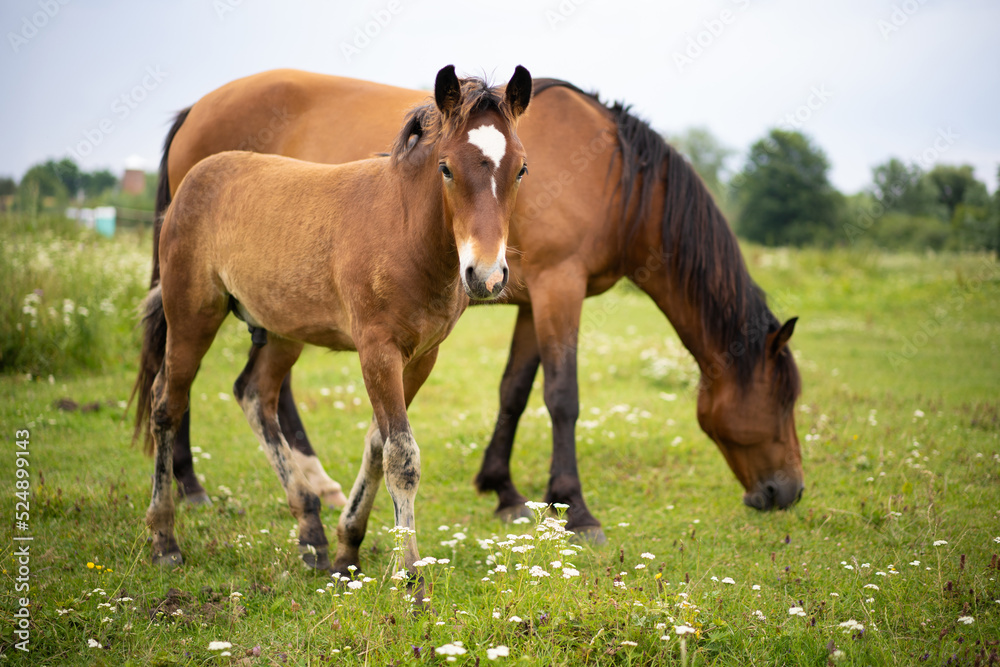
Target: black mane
{"type": "Point", "coordinates": [699, 247]}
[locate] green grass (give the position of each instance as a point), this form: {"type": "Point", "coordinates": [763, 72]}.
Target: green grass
{"type": "Point", "coordinates": [883, 485]}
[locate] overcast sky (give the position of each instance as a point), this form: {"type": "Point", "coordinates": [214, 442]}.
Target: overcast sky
{"type": "Point", "coordinates": [884, 78]}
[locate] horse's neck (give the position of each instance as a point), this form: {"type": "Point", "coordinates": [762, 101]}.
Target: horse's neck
{"type": "Point", "coordinates": [652, 270]}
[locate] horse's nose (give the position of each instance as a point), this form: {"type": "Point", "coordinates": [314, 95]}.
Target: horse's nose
{"type": "Point", "coordinates": [779, 492]}
{"type": "Point", "coordinates": [485, 282]}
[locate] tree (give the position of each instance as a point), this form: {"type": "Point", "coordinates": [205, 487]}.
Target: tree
{"type": "Point", "coordinates": [40, 182]}
{"type": "Point", "coordinates": [69, 173]}
{"type": "Point", "coordinates": [957, 185]}
{"type": "Point", "coordinates": [785, 193]}
{"type": "Point", "coordinates": [96, 183]}
{"type": "Point", "coordinates": [706, 154]}
{"type": "Point", "coordinates": [905, 189]}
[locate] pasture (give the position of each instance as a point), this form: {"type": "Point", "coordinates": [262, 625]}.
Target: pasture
{"type": "Point", "coordinates": [890, 557]}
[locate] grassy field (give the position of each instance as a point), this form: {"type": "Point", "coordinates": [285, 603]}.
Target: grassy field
{"type": "Point", "coordinates": [890, 558]}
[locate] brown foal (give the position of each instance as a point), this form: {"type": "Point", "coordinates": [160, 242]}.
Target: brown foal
{"type": "Point", "coordinates": [379, 256]}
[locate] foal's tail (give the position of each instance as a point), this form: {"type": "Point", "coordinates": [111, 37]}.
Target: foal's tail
{"type": "Point", "coordinates": [154, 346]}
{"type": "Point", "coordinates": [163, 193]}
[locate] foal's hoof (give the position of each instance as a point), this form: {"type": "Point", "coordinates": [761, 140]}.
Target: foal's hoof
{"type": "Point", "coordinates": [334, 499]}
{"type": "Point", "coordinates": [169, 560]}
{"type": "Point", "coordinates": [513, 512]}
{"type": "Point", "coordinates": [316, 558]}
{"type": "Point", "coordinates": [592, 535]}
{"type": "Point", "coordinates": [198, 499]}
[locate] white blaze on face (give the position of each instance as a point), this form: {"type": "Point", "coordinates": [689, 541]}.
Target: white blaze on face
{"type": "Point", "coordinates": [493, 144]}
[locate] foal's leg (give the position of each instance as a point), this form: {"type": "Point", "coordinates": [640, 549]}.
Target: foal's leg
{"type": "Point", "coordinates": [257, 392]}
{"type": "Point", "coordinates": [328, 490]}
{"type": "Point", "coordinates": [389, 449]}
{"type": "Point", "coordinates": [515, 388]}
{"type": "Point", "coordinates": [171, 387]}
{"type": "Point", "coordinates": [557, 299]}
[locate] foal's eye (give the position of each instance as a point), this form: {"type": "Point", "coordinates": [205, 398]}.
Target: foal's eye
{"type": "Point", "coordinates": [445, 170]}
{"type": "Point", "coordinates": [524, 170]}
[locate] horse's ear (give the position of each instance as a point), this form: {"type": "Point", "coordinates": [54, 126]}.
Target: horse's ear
{"type": "Point", "coordinates": [447, 90]}
{"type": "Point", "coordinates": [519, 91]}
{"type": "Point", "coordinates": [781, 336]}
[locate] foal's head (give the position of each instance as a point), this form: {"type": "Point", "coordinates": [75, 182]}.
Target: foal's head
{"type": "Point", "coordinates": [470, 129]}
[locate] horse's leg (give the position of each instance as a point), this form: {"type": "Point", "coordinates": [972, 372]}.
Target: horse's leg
{"type": "Point", "coordinates": [390, 449]}
{"type": "Point", "coordinates": [257, 390]}
{"type": "Point", "coordinates": [557, 299]}
{"type": "Point", "coordinates": [515, 388]}
{"type": "Point", "coordinates": [302, 452]}
{"type": "Point", "coordinates": [171, 388]}
{"type": "Point", "coordinates": [187, 481]}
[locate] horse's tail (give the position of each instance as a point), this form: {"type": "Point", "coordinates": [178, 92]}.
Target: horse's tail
{"type": "Point", "coordinates": [154, 346]}
{"type": "Point", "coordinates": [163, 193]}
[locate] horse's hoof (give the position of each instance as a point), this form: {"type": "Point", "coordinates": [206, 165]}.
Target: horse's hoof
{"type": "Point", "coordinates": [169, 560]}
{"type": "Point", "coordinates": [198, 499]}
{"type": "Point", "coordinates": [334, 499]}
{"type": "Point", "coordinates": [316, 558]}
{"type": "Point", "coordinates": [592, 535]}
{"type": "Point", "coordinates": [513, 512]}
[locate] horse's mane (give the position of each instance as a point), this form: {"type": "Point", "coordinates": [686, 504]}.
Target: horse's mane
{"type": "Point", "coordinates": [424, 125]}
{"type": "Point", "coordinates": [699, 247]}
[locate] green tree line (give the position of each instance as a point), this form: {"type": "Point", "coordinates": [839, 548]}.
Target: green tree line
{"type": "Point", "coordinates": [52, 185]}
{"type": "Point", "coordinates": [782, 195]}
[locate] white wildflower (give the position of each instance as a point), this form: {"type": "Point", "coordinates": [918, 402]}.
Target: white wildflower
{"type": "Point", "coordinates": [451, 649]}
{"type": "Point", "coordinates": [498, 652]}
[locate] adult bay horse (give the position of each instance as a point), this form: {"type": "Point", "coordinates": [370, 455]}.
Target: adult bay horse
{"type": "Point", "coordinates": [369, 256]}
{"type": "Point", "coordinates": [608, 198]}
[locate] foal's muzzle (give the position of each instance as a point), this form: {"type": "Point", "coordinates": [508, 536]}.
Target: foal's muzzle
{"type": "Point", "coordinates": [485, 282]}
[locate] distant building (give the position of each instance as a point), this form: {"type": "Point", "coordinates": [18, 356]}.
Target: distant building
{"type": "Point", "coordinates": [134, 181]}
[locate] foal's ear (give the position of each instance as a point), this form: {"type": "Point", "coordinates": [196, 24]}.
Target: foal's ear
{"type": "Point", "coordinates": [782, 335]}
{"type": "Point", "coordinates": [447, 90]}
{"type": "Point", "coordinates": [519, 91]}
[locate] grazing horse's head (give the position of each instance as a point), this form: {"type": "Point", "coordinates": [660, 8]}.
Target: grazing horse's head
{"type": "Point", "coordinates": [480, 163]}
{"type": "Point", "coordinates": [752, 420]}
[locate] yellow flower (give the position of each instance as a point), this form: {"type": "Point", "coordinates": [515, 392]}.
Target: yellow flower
{"type": "Point", "coordinates": [99, 567]}
{"type": "Point", "coordinates": [658, 575]}
{"type": "Point", "coordinates": [90, 565]}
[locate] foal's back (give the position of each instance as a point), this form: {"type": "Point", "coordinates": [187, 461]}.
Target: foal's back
{"type": "Point", "coordinates": [291, 241]}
